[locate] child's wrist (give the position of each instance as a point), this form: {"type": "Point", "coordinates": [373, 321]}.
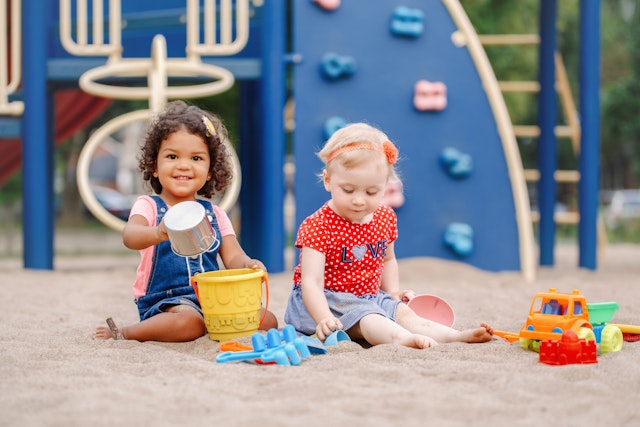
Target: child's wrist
{"type": "Point", "coordinates": [160, 233]}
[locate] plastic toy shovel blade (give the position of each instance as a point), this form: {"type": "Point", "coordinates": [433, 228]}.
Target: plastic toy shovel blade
{"type": "Point", "coordinates": [315, 345]}
{"type": "Point", "coordinates": [336, 337]}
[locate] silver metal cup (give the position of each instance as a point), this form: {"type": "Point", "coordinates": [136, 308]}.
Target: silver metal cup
{"type": "Point", "coordinates": [189, 229]}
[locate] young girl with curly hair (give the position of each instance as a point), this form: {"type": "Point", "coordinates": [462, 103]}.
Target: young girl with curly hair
{"type": "Point", "coordinates": [183, 157]}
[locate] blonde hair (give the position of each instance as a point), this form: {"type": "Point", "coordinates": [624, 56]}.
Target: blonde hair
{"type": "Point", "coordinates": [361, 134]}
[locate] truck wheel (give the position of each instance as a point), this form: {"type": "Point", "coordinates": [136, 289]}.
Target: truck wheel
{"type": "Point", "coordinates": [535, 345]}
{"type": "Point", "coordinates": [611, 339]}
{"type": "Point", "coordinates": [586, 334]}
{"type": "Point", "coordinates": [529, 344]}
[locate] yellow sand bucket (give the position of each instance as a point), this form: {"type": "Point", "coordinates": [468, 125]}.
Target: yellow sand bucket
{"type": "Point", "coordinates": [231, 301]}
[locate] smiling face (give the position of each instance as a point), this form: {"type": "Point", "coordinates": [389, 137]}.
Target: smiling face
{"type": "Point", "coordinates": [357, 190]}
{"type": "Point", "coordinates": [182, 166]}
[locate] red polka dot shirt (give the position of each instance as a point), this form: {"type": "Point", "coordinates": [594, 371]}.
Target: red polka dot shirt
{"type": "Point", "coordinates": [354, 253]}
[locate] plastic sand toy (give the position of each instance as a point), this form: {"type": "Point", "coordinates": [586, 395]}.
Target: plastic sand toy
{"type": "Point", "coordinates": [282, 348]}
{"type": "Point", "coordinates": [568, 350]}
{"type": "Point", "coordinates": [552, 313]}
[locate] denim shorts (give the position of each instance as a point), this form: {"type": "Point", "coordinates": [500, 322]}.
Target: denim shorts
{"type": "Point", "coordinates": [150, 305]}
{"type": "Point", "coordinates": [348, 308]}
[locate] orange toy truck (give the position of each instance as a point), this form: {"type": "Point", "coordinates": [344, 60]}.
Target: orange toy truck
{"type": "Point", "coordinates": [552, 313]}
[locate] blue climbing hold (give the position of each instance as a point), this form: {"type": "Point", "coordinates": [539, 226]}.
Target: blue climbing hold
{"type": "Point", "coordinates": [407, 22]}
{"type": "Point", "coordinates": [333, 124]}
{"type": "Point", "coordinates": [458, 238]}
{"type": "Point", "coordinates": [455, 163]}
{"type": "Point", "coordinates": [334, 66]}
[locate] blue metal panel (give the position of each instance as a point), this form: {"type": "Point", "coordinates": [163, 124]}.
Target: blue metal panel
{"type": "Point", "coordinates": [380, 92]}
{"type": "Point", "coordinates": [10, 127]}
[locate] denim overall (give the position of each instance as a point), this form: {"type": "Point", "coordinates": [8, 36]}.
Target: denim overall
{"type": "Point", "coordinates": [169, 281]}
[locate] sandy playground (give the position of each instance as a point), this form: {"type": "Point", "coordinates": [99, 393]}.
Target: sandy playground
{"type": "Point", "coordinates": [52, 373]}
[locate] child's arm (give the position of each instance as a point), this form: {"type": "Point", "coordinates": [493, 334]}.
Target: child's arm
{"type": "Point", "coordinates": [233, 256]}
{"type": "Point", "coordinates": [138, 234]}
{"type": "Point", "coordinates": [391, 275]}
{"type": "Point", "coordinates": [312, 265]}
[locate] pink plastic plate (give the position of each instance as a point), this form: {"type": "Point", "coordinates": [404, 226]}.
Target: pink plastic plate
{"type": "Point", "coordinates": [433, 308]}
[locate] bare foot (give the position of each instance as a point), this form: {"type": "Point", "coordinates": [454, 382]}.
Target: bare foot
{"type": "Point", "coordinates": [102, 333]}
{"type": "Point", "coordinates": [418, 341]}
{"type": "Point", "coordinates": [482, 334]}
{"type": "Point", "coordinates": [109, 331]}
{"type": "Point", "coordinates": [487, 327]}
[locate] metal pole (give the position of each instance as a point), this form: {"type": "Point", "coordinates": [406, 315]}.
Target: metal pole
{"type": "Point", "coordinates": [37, 145]}
{"type": "Point", "coordinates": [271, 151]}
{"type": "Point", "coordinates": [589, 162]}
{"type": "Point", "coordinates": [547, 144]}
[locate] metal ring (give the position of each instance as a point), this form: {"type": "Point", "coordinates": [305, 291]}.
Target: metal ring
{"type": "Point", "coordinates": [223, 79]}
{"type": "Point", "coordinates": [82, 174]}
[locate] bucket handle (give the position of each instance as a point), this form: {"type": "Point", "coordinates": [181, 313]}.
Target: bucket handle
{"type": "Point", "coordinates": [265, 276]}
{"type": "Point", "coordinates": [266, 305]}
{"type": "Point", "coordinates": [194, 284]}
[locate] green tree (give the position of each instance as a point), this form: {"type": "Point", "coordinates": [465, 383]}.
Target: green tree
{"type": "Point", "coordinates": [621, 103]}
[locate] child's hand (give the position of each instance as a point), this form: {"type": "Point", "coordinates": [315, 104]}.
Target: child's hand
{"type": "Point", "coordinates": [161, 231]}
{"type": "Point", "coordinates": [256, 264]}
{"type": "Point", "coordinates": [327, 326]}
{"type": "Point", "coordinates": [407, 295]}
{"type": "Point", "coordinates": [404, 295]}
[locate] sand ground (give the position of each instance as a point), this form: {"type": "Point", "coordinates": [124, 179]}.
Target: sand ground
{"type": "Point", "coordinates": [52, 373]}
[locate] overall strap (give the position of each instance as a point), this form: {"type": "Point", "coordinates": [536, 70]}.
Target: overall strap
{"type": "Point", "coordinates": [208, 207]}
{"type": "Point", "coordinates": [161, 208]}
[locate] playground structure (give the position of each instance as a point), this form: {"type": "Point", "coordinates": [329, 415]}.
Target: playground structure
{"type": "Point", "coordinates": [157, 69]}
{"type": "Point", "coordinates": [420, 74]}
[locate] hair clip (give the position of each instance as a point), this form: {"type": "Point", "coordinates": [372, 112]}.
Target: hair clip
{"type": "Point", "coordinates": [390, 151]}
{"type": "Point", "coordinates": [207, 123]}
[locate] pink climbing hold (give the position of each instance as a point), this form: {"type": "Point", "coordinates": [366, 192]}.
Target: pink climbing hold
{"type": "Point", "coordinates": [393, 194]}
{"type": "Point", "coordinates": [430, 96]}
{"type": "Point", "coordinates": [328, 4]}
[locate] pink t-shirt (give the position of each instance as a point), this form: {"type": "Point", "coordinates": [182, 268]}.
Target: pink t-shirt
{"type": "Point", "coordinates": [146, 207]}
{"type": "Point", "coordinates": [354, 253]}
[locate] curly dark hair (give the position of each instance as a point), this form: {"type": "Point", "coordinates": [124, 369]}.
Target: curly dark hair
{"type": "Point", "coordinates": [179, 115]}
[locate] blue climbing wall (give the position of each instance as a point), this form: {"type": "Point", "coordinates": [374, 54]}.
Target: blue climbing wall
{"type": "Point", "coordinates": [373, 81]}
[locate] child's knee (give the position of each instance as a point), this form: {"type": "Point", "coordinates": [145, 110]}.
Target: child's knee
{"type": "Point", "coordinates": [269, 321]}
{"type": "Point", "coordinates": [404, 314]}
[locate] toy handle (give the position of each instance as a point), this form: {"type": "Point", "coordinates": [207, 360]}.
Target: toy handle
{"type": "Point", "coordinates": [195, 286]}
{"type": "Point", "coordinates": [509, 336]}
{"type": "Point", "coordinates": [266, 305]}
{"type": "Point", "coordinates": [235, 356]}
{"type": "Point", "coordinates": [409, 296]}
